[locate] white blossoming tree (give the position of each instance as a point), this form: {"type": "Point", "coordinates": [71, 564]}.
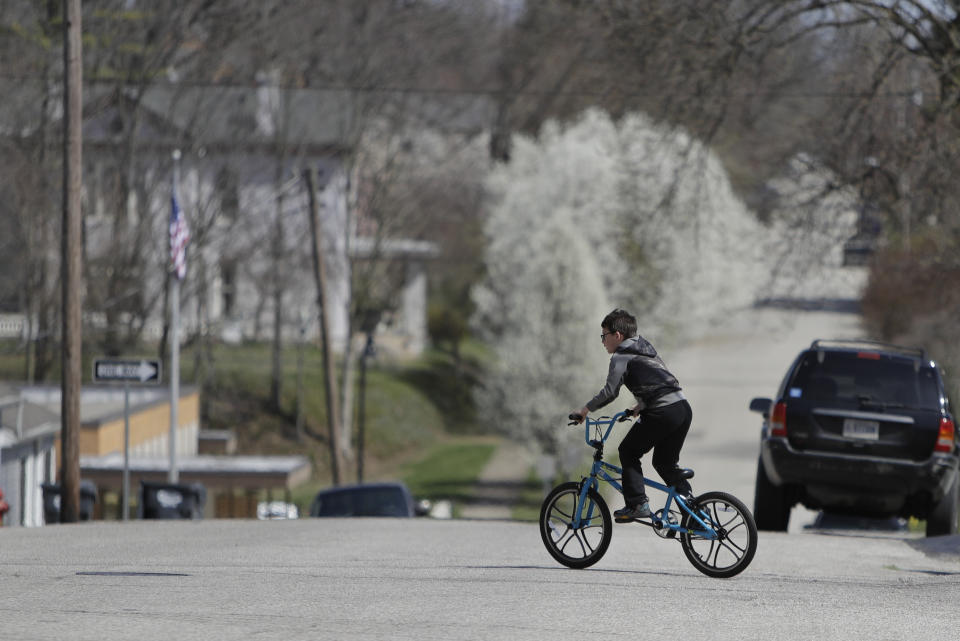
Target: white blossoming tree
{"type": "Point", "coordinates": [596, 215]}
{"type": "Point", "coordinates": [539, 311]}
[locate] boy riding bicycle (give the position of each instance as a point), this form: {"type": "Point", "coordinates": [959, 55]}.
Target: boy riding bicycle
{"type": "Point", "coordinates": [663, 412]}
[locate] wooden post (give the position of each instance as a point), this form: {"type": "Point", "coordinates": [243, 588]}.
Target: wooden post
{"type": "Point", "coordinates": [71, 268]}
{"type": "Point", "coordinates": [319, 270]}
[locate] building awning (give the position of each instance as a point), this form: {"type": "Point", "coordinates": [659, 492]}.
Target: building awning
{"type": "Point", "coordinates": [214, 472]}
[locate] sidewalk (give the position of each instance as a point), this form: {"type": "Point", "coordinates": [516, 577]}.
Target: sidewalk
{"type": "Point", "coordinates": [500, 484]}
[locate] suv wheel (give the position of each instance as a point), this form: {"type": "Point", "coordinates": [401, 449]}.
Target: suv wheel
{"type": "Point", "coordinates": [771, 508]}
{"type": "Point", "coordinates": [943, 517]}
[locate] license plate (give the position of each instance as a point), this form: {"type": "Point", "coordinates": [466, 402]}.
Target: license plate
{"type": "Point", "coordinates": [857, 428]}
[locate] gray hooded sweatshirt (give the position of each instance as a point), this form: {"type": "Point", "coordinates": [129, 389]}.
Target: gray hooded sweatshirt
{"type": "Point", "coordinates": [635, 363]}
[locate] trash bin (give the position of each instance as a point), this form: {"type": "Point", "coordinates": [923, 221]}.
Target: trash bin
{"type": "Point", "coordinates": [172, 500]}
{"type": "Point", "coordinates": [51, 501]}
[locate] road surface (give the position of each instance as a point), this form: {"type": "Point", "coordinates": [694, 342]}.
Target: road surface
{"type": "Point", "coordinates": [395, 579]}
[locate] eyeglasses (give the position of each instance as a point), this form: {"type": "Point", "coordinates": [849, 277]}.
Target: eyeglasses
{"type": "Point", "coordinates": [603, 336]}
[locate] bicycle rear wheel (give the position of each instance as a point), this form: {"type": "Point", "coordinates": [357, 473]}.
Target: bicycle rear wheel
{"type": "Point", "coordinates": [732, 551]}
{"type": "Point", "coordinates": [578, 547]}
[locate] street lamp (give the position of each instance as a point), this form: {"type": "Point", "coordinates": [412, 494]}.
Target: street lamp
{"type": "Point", "coordinates": [368, 324]}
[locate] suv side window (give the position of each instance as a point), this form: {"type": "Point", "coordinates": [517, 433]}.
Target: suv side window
{"type": "Point", "coordinates": [929, 384]}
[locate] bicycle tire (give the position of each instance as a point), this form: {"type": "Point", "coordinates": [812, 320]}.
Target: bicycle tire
{"type": "Point", "coordinates": [575, 548]}
{"type": "Point", "coordinates": [732, 552]}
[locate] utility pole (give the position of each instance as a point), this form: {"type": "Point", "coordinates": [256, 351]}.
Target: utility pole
{"type": "Point", "coordinates": [300, 349]}
{"type": "Point", "coordinates": [71, 267]}
{"type": "Point", "coordinates": [320, 273]}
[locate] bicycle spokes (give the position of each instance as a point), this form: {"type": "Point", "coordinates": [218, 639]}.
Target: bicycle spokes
{"type": "Point", "coordinates": [730, 547]}
{"type": "Point", "coordinates": [587, 534]}
{"type": "Point", "coordinates": [575, 542]}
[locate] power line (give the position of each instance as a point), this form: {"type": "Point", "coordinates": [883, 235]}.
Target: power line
{"type": "Point", "coordinates": [477, 91]}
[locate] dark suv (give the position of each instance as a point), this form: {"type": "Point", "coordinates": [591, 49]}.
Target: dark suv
{"type": "Point", "coordinates": [860, 428]}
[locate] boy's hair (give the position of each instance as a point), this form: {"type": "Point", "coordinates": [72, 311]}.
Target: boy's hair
{"type": "Point", "coordinates": [620, 320]}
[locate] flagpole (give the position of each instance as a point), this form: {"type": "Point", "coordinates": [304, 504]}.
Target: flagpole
{"type": "Point", "coordinates": [173, 475]}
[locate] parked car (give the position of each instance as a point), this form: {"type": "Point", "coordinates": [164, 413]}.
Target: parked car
{"type": "Point", "coordinates": [274, 510]}
{"type": "Point", "coordinates": [859, 428]}
{"type": "Point", "coordinates": [368, 499]}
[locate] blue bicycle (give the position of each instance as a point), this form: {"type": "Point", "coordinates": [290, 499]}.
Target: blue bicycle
{"type": "Point", "coordinates": [715, 530]}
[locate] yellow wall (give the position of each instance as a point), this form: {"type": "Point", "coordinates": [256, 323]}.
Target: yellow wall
{"type": "Point", "coordinates": [98, 439]}
{"type": "Point", "coordinates": [145, 426]}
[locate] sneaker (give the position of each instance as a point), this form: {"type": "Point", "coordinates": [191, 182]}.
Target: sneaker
{"type": "Point", "coordinates": [632, 513]}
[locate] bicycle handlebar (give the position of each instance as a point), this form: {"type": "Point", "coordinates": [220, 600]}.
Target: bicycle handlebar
{"type": "Point", "coordinates": [588, 422]}
{"type": "Point", "coordinates": [619, 417]}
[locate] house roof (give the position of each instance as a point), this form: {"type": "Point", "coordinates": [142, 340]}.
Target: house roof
{"type": "Point", "coordinates": [25, 419]}
{"type": "Point", "coordinates": [232, 116]}
{"type": "Point", "coordinates": [102, 404]}
{"type": "Point", "coordinates": [252, 472]}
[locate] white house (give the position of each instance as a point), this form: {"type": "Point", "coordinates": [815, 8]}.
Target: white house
{"type": "Point", "coordinates": [241, 171]}
{"type": "Point", "coordinates": [28, 436]}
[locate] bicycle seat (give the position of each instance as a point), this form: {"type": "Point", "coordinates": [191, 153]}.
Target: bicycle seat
{"type": "Point", "coordinates": [686, 473]}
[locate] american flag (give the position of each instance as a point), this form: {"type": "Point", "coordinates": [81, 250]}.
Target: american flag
{"type": "Point", "coordinates": [179, 237]}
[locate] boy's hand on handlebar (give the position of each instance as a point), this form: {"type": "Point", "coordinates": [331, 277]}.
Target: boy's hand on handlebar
{"type": "Point", "coordinates": [576, 417]}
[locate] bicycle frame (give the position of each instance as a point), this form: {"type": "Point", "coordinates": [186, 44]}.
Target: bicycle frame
{"type": "Point", "coordinates": [600, 471]}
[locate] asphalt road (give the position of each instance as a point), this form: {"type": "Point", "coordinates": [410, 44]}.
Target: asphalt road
{"type": "Point", "coordinates": [427, 579]}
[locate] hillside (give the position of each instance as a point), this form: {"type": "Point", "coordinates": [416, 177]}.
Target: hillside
{"type": "Point", "coordinates": [411, 407]}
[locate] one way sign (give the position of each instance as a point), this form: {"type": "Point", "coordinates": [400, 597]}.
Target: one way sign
{"type": "Point", "coordinates": [111, 370]}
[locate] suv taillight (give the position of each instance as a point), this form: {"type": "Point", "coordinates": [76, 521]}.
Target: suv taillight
{"type": "Point", "coordinates": [945, 438]}
{"type": "Point", "coordinates": [778, 420]}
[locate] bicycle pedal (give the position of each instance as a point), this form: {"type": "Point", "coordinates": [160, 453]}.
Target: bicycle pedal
{"type": "Point", "coordinates": [646, 520]}
{"type": "Point", "coordinates": [630, 519]}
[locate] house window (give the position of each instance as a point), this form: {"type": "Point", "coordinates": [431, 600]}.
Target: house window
{"type": "Point", "coordinates": [228, 275]}
{"type": "Point", "coordinates": [226, 184]}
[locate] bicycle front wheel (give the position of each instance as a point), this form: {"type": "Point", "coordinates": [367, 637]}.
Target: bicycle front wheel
{"type": "Point", "coordinates": [575, 547]}
{"type": "Point", "coordinates": [731, 551]}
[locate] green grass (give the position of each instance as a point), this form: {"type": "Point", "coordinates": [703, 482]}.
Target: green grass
{"type": "Point", "coordinates": [449, 385]}
{"type": "Point", "coordinates": [445, 471]}
{"type": "Point", "coordinates": [448, 470]}
{"type": "Point", "coordinates": [530, 499]}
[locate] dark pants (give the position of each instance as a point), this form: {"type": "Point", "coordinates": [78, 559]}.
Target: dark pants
{"type": "Point", "coordinates": [662, 429]}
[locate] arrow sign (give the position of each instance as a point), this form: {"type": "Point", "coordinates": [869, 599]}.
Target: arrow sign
{"type": "Point", "coordinates": [111, 370]}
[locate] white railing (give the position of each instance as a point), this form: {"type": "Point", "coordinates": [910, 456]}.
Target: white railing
{"type": "Point", "coordinates": [11, 325]}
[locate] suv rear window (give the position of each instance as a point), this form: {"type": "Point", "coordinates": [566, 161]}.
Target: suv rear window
{"type": "Point", "coordinates": [858, 377]}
